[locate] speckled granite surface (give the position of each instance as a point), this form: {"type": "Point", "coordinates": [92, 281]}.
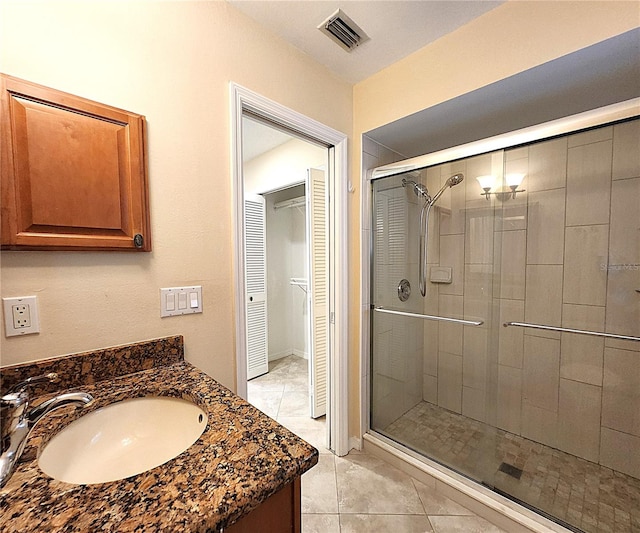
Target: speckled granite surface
{"type": "Point", "coordinates": [242, 458]}
{"type": "Point", "coordinates": [90, 367]}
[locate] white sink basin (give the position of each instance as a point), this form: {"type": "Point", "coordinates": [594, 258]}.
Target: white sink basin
{"type": "Point", "coordinates": [122, 439]}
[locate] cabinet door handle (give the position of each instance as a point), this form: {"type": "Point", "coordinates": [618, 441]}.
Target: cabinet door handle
{"type": "Point", "coordinates": [138, 240]}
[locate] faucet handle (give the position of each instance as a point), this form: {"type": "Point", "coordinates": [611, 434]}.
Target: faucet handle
{"type": "Point", "coordinates": [51, 377]}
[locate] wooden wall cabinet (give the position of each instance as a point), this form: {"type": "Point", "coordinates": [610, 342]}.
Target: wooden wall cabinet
{"type": "Point", "coordinates": [73, 172]}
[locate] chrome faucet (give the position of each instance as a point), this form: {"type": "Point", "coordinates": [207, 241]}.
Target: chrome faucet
{"type": "Point", "coordinates": [17, 419]}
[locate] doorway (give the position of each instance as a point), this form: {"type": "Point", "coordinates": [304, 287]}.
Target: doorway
{"type": "Point", "coordinates": [280, 120]}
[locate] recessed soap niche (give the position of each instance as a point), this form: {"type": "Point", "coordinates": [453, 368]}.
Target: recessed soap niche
{"type": "Point", "coordinates": [441, 274]}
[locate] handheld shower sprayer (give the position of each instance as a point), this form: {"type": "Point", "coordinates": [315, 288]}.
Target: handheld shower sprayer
{"type": "Point", "coordinates": [452, 181]}
{"type": "Point", "coordinates": [421, 191]}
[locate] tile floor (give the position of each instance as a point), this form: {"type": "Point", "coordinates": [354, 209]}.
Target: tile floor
{"type": "Point", "coordinates": [358, 493]}
{"type": "Point", "coordinates": [588, 496]}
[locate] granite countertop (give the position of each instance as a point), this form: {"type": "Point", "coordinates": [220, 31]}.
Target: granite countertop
{"type": "Point", "coordinates": [241, 459]}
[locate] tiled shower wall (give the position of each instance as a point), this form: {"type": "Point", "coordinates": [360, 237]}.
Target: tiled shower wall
{"type": "Point", "coordinates": [564, 253]}
{"type": "Point", "coordinates": [571, 257]}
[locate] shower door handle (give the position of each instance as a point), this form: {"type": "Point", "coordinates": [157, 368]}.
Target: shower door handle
{"type": "Point", "coordinates": [429, 317]}
{"type": "Point", "coordinates": [571, 330]}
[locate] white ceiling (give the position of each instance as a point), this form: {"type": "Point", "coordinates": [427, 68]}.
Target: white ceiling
{"type": "Point", "coordinates": [396, 28]}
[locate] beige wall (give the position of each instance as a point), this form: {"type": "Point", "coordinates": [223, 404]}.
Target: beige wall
{"type": "Point", "coordinates": [505, 41]}
{"type": "Point", "coordinates": [172, 62]}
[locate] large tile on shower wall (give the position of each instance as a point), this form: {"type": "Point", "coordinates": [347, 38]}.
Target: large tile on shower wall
{"type": "Point", "coordinates": [386, 401]}
{"type": "Point", "coordinates": [539, 425]}
{"type": "Point", "coordinates": [430, 352]}
{"type": "Point", "coordinates": [590, 137]}
{"type": "Point", "coordinates": [430, 389]}
{"type": "Point", "coordinates": [624, 246]}
{"type": "Point", "coordinates": [621, 391]}
{"type": "Point", "coordinates": [543, 302]}
{"type": "Point", "coordinates": [450, 381]}
{"type": "Point", "coordinates": [545, 235]}
{"type": "Point", "coordinates": [474, 403]}
{"type": "Point", "coordinates": [548, 165]}
{"type": "Point", "coordinates": [511, 215]}
{"type": "Point", "coordinates": [452, 255]}
{"type": "Point", "coordinates": [478, 291]}
{"type": "Point", "coordinates": [475, 358]}
{"type": "Point", "coordinates": [589, 184]}
{"type": "Point", "coordinates": [509, 411]}
{"type": "Point", "coordinates": [626, 150]}
{"type": "Point", "coordinates": [581, 357]}
{"type": "Point", "coordinates": [541, 372]}
{"type": "Point", "coordinates": [585, 279]}
{"type": "Point", "coordinates": [620, 451]}
{"type": "Point", "coordinates": [512, 264]}
{"type": "Point", "coordinates": [450, 335]}
{"type": "Point", "coordinates": [479, 235]}
{"type": "Point", "coordinates": [579, 419]}
{"type": "Point", "coordinates": [511, 339]}
{"type": "Point", "coordinates": [623, 302]}
{"type": "Point", "coordinates": [618, 344]}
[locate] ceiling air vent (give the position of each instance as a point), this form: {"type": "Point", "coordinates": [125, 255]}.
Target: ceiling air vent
{"type": "Point", "coordinates": [343, 31]}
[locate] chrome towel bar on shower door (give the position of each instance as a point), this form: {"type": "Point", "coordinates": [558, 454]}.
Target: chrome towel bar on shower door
{"type": "Point", "coordinates": [570, 330]}
{"type": "Point", "coordinates": [429, 317]}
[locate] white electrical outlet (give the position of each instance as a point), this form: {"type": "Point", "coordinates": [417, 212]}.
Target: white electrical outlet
{"type": "Point", "coordinates": [20, 316]}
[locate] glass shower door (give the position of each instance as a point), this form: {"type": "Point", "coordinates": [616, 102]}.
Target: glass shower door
{"type": "Point", "coordinates": [431, 355]}
{"type": "Point", "coordinates": [520, 367]}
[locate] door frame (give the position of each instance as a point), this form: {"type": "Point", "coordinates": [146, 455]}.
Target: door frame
{"type": "Point", "coordinates": [241, 100]}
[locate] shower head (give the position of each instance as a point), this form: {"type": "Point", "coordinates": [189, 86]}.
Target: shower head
{"type": "Point", "coordinates": [418, 188]}
{"type": "Point", "coordinates": [453, 180]}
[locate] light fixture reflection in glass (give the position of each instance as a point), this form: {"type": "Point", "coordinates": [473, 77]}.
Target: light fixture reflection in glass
{"type": "Point", "coordinates": [486, 183]}
{"type": "Point", "coordinates": [513, 181]}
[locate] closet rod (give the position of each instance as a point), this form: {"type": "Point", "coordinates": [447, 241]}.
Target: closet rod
{"type": "Point", "coordinates": [294, 202]}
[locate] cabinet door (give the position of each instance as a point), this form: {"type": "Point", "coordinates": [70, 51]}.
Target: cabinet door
{"type": "Point", "coordinates": [73, 172]}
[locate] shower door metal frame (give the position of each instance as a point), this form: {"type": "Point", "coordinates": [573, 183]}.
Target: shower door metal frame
{"type": "Point", "coordinates": [619, 112]}
{"type": "Point", "coordinates": [589, 119]}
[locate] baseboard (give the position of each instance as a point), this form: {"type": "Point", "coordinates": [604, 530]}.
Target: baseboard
{"type": "Point", "coordinates": [300, 353]}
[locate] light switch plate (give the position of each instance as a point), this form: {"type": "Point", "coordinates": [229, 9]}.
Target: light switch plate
{"type": "Point", "coordinates": [20, 316]}
{"type": "Point", "coordinates": [180, 300]}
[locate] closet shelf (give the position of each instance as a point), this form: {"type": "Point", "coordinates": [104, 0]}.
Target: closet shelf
{"type": "Point", "coordinates": [299, 282]}
{"type": "Point", "coordinates": [294, 202]}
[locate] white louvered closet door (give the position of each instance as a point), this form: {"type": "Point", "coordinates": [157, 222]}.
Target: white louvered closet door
{"type": "Point", "coordinates": [317, 230]}
{"type": "Point", "coordinates": [255, 261]}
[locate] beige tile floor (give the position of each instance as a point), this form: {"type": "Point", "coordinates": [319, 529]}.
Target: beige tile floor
{"type": "Point", "coordinates": [357, 493]}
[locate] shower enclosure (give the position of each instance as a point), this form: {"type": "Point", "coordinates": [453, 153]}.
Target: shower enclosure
{"type": "Point", "coordinates": [520, 368]}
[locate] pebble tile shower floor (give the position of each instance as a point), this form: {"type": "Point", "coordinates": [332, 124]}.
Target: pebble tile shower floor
{"type": "Point", "coordinates": [583, 494]}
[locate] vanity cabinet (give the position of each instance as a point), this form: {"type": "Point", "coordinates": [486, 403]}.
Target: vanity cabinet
{"type": "Point", "coordinates": [73, 172]}
{"type": "Point", "coordinates": [280, 513]}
